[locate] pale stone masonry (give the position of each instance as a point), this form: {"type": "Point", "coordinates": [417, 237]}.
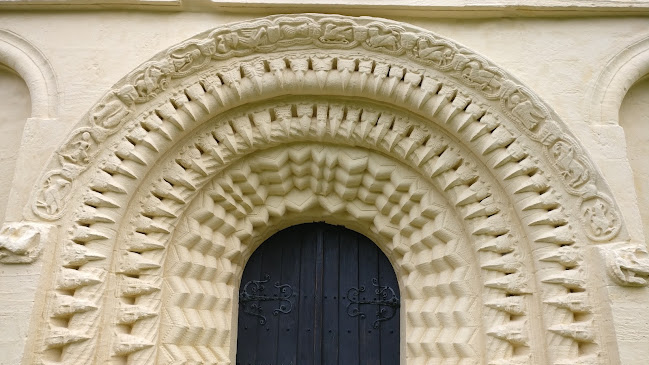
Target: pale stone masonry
{"type": "Point", "coordinates": [499, 163]}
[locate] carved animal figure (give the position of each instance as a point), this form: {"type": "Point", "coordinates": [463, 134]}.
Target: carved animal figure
{"type": "Point", "coordinates": [440, 54]}
{"type": "Point", "coordinates": [599, 219]}
{"type": "Point", "coordinates": [388, 41]}
{"type": "Point", "coordinates": [525, 111]}
{"type": "Point", "coordinates": [182, 62]}
{"type": "Point", "coordinates": [474, 73]}
{"type": "Point", "coordinates": [53, 194]}
{"type": "Point", "coordinates": [571, 169]}
{"type": "Point", "coordinates": [78, 150]}
{"type": "Point", "coordinates": [152, 79]}
{"type": "Point", "coordinates": [108, 115]}
{"type": "Point", "coordinates": [110, 111]}
{"type": "Point", "coordinates": [334, 33]}
{"type": "Point", "coordinates": [628, 268]}
{"type": "Point", "coordinates": [204, 50]}
{"type": "Point", "coordinates": [298, 31]}
{"type": "Point", "coordinates": [252, 38]}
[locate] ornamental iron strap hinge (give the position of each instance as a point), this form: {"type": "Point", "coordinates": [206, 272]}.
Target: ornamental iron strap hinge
{"type": "Point", "coordinates": [253, 293]}
{"type": "Point", "coordinates": [385, 299]}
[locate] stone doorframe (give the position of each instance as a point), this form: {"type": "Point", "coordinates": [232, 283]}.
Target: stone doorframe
{"type": "Point", "coordinates": [486, 205]}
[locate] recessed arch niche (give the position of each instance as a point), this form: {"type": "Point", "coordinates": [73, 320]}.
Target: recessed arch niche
{"type": "Point", "coordinates": [633, 118]}
{"type": "Point", "coordinates": [482, 200]}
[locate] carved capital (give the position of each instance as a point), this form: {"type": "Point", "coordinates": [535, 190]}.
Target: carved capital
{"type": "Point", "coordinates": [629, 265]}
{"type": "Point", "coordinates": [21, 242]}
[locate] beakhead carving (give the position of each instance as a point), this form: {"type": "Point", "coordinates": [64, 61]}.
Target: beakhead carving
{"type": "Point", "coordinates": [629, 265]}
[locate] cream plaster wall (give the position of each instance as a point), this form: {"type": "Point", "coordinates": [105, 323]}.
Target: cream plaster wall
{"type": "Point", "coordinates": [559, 59]}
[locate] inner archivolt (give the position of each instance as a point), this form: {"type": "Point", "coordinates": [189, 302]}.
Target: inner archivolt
{"type": "Point", "coordinates": [402, 212]}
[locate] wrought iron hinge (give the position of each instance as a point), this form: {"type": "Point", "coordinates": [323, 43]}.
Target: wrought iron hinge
{"type": "Point", "coordinates": [253, 292]}
{"type": "Point", "coordinates": [386, 299]}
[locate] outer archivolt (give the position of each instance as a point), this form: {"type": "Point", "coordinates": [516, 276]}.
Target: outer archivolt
{"type": "Point", "coordinates": [414, 46]}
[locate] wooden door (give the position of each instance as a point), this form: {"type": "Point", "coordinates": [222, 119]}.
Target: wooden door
{"type": "Point", "coordinates": [318, 294]}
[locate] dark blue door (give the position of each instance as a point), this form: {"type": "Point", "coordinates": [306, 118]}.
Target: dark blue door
{"type": "Point", "coordinates": [318, 294]}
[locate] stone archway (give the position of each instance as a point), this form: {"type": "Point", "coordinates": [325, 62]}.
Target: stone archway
{"type": "Point", "coordinates": [474, 189]}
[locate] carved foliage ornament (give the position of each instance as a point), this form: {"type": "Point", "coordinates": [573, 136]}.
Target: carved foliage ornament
{"type": "Point", "coordinates": [335, 32]}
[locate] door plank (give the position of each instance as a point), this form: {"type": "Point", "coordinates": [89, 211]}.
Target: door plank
{"type": "Point", "coordinates": [270, 270]}
{"type": "Point", "coordinates": [389, 330]}
{"type": "Point", "coordinates": [321, 232]}
{"type": "Point", "coordinates": [288, 325]}
{"type": "Point", "coordinates": [330, 297]}
{"type": "Point", "coordinates": [368, 270]}
{"type": "Point", "coordinates": [306, 322]}
{"type": "Point", "coordinates": [247, 333]}
{"type": "Point", "coordinates": [348, 325]}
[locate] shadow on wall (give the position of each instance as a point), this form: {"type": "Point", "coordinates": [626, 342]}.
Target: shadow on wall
{"type": "Point", "coordinates": [15, 107]}
{"type": "Point", "coordinates": [634, 119]}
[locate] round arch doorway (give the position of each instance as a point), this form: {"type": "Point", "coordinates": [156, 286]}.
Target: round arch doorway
{"type": "Point", "coordinates": [318, 294]}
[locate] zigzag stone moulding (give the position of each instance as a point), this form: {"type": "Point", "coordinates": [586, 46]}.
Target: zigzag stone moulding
{"type": "Point", "coordinates": [201, 153]}
{"type": "Point", "coordinates": [343, 185]}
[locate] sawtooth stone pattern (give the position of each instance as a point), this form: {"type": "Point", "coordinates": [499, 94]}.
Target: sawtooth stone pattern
{"type": "Point", "coordinates": [501, 229]}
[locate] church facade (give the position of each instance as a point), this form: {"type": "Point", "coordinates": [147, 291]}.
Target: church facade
{"type": "Point", "coordinates": [488, 160]}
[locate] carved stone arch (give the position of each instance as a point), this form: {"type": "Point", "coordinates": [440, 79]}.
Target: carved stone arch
{"type": "Point", "coordinates": [517, 183]}
{"type": "Point", "coordinates": [21, 56]}
{"type": "Point", "coordinates": [622, 71]}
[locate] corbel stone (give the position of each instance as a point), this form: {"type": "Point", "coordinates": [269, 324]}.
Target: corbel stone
{"type": "Point", "coordinates": [21, 242]}
{"type": "Point", "coordinates": [628, 264]}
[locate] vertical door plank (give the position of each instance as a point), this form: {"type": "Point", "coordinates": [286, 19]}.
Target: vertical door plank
{"type": "Point", "coordinates": [288, 323]}
{"type": "Point", "coordinates": [348, 279]}
{"type": "Point", "coordinates": [270, 270]}
{"type": "Point", "coordinates": [368, 269]}
{"type": "Point", "coordinates": [389, 330]}
{"type": "Point", "coordinates": [330, 297]}
{"type": "Point", "coordinates": [322, 231]}
{"type": "Point", "coordinates": [248, 324]}
{"type": "Point", "coordinates": [306, 338]}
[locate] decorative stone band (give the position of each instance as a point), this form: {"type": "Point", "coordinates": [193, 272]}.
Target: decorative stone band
{"type": "Point", "coordinates": [325, 33]}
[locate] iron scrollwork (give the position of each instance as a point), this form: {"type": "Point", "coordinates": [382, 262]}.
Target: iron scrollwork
{"type": "Point", "coordinates": [253, 293]}
{"type": "Point", "coordinates": [386, 299]}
